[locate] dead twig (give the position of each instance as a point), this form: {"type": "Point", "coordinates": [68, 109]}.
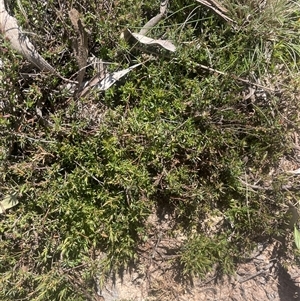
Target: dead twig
{"type": "Point", "coordinates": [217, 8]}
{"type": "Point", "coordinates": [234, 77]}
{"type": "Point", "coordinates": [80, 43]}
{"type": "Point", "coordinates": [11, 31]}
{"type": "Point", "coordinates": [263, 270]}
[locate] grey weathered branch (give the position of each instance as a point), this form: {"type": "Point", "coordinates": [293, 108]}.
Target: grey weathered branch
{"type": "Point", "coordinates": [19, 41]}
{"type": "Point", "coordinates": [11, 32]}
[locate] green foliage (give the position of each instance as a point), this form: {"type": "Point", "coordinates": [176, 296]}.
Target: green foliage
{"type": "Point", "coordinates": [201, 254]}
{"type": "Point", "coordinates": [297, 237]}
{"type": "Point", "coordinates": [88, 172]}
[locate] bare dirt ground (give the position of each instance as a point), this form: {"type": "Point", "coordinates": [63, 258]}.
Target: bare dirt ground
{"type": "Point", "coordinates": [261, 276]}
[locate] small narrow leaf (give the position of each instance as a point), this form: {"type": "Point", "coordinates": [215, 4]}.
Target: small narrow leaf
{"type": "Point", "coordinates": [297, 237]}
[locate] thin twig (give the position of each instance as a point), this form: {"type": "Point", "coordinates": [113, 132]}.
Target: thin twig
{"type": "Point", "coordinates": [235, 77]}
{"type": "Point", "coordinates": [263, 270]}
{"type": "Point", "coordinates": [217, 8]}
{"type": "Point", "coordinates": [33, 139]}
{"type": "Point", "coordinates": [89, 173]}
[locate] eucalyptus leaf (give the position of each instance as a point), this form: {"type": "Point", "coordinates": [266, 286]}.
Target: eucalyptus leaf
{"type": "Point", "coordinates": [111, 78]}
{"type": "Point", "coordinates": [168, 45]}
{"type": "Point", "coordinates": [9, 201]}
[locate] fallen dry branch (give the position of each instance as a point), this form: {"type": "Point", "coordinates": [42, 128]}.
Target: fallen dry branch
{"type": "Point", "coordinates": [11, 32]}
{"type": "Point", "coordinates": [19, 42]}
{"type": "Point", "coordinates": [217, 8]}
{"type": "Point", "coordinates": [80, 43]}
